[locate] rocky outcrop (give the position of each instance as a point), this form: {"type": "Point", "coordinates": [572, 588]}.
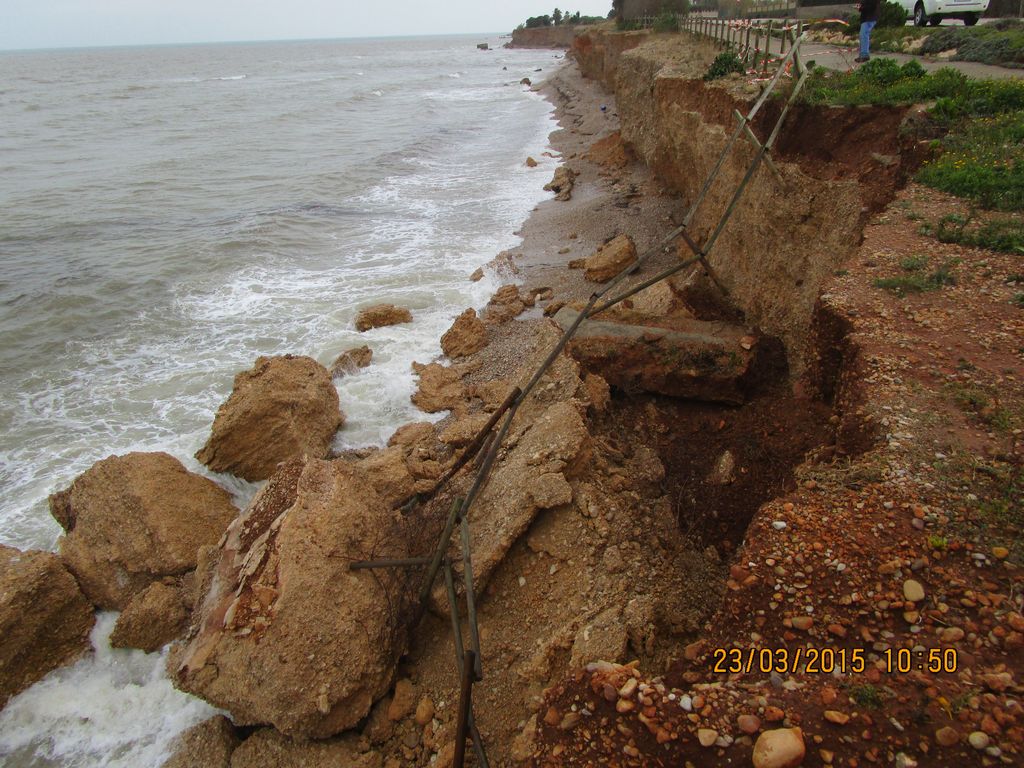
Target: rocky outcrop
{"type": "Point", "coordinates": [351, 360]}
{"type": "Point", "coordinates": [562, 183]}
{"type": "Point", "coordinates": [380, 315]}
{"type": "Point", "coordinates": [132, 520]}
{"type": "Point", "coordinates": [269, 749]}
{"type": "Point", "coordinates": [286, 634]}
{"type": "Point", "coordinates": [560, 36]}
{"type": "Point", "coordinates": [610, 259]}
{"type": "Point", "coordinates": [206, 745]}
{"type": "Point", "coordinates": [505, 304]}
{"type": "Point", "coordinates": [284, 408]}
{"type": "Point", "coordinates": [684, 358]}
{"type": "Point", "coordinates": [467, 335]}
{"type": "Point", "coordinates": [440, 388]}
{"type": "Point", "coordinates": [152, 618]}
{"type": "Point", "coordinates": [44, 618]}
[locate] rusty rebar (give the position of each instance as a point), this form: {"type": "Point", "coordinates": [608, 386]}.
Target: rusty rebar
{"type": "Point", "coordinates": [465, 706]}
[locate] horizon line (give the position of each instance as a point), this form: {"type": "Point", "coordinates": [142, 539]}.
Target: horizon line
{"type": "Point", "coordinates": [39, 49]}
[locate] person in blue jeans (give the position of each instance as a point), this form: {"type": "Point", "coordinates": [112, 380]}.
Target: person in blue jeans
{"type": "Point", "coordinates": [868, 19]}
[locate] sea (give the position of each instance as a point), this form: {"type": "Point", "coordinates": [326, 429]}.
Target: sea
{"type": "Point", "coordinates": [170, 213]}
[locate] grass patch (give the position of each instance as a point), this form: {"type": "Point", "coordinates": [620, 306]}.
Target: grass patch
{"type": "Point", "coordinates": [1001, 234]}
{"type": "Point", "coordinates": [981, 156]}
{"type": "Point", "coordinates": [866, 695]}
{"type": "Point", "coordinates": [916, 281]}
{"type": "Point", "coordinates": [1006, 506]}
{"type": "Point", "coordinates": [1018, 300]}
{"type": "Point", "coordinates": [978, 401]}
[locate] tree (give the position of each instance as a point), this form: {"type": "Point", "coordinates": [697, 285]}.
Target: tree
{"type": "Point", "coordinates": [557, 17]}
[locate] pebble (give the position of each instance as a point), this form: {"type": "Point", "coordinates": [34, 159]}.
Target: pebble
{"type": "Point", "coordinates": [947, 736]}
{"type": "Point", "coordinates": [837, 717]}
{"type": "Point", "coordinates": [779, 748]}
{"type": "Point", "coordinates": [748, 723]}
{"type": "Point", "coordinates": [686, 702]}
{"type": "Point", "coordinates": [803, 623]}
{"type": "Point", "coordinates": [913, 591]}
{"type": "Point", "coordinates": [707, 736]}
{"type": "Point", "coordinates": [979, 740]}
{"type": "Point", "coordinates": [779, 525]}
{"type": "Point", "coordinates": [424, 711]}
{"type": "Point", "coordinates": [1000, 553]}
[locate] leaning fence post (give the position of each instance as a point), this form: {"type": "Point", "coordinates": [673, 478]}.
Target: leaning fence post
{"type": "Point", "coordinates": [768, 47]}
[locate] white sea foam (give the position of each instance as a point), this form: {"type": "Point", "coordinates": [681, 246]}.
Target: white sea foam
{"type": "Point", "coordinates": [252, 236]}
{"type": "Point", "coordinates": [114, 708]}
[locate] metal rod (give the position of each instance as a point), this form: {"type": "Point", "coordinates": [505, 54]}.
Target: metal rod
{"type": "Point", "coordinates": [646, 284]}
{"type": "Point", "coordinates": [442, 547]}
{"type": "Point", "coordinates": [363, 565]}
{"type": "Point", "coordinates": [453, 609]}
{"type": "Point", "coordinates": [467, 577]}
{"type": "Point", "coordinates": [465, 707]}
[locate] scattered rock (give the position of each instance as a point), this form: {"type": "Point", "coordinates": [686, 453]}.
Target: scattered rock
{"type": "Point", "coordinates": [424, 711]}
{"type": "Point", "coordinates": [610, 259]}
{"type": "Point", "coordinates": [598, 392]}
{"type": "Point", "coordinates": [531, 163]}
{"type": "Point", "coordinates": [707, 736]}
{"type": "Point", "coordinates": [979, 740]}
{"type": "Point", "coordinates": [206, 745]}
{"type": "Point", "coordinates": [947, 736]}
{"type": "Point", "coordinates": [749, 724]}
{"type": "Point", "coordinates": [526, 81]}
{"type": "Point", "coordinates": [803, 623]}
{"type": "Point", "coordinates": [403, 700]}
{"type": "Point", "coordinates": [351, 360]}
{"type": "Point", "coordinates": [132, 520]}
{"type": "Point", "coordinates": [837, 717]}
{"type": "Point", "coordinates": [724, 472]}
{"type": "Point", "coordinates": [913, 591]}
{"type": "Point", "coordinates": [609, 152]}
{"type": "Point", "coordinates": [779, 748]}
{"type": "Point", "coordinates": [505, 304]}
{"type": "Point", "coordinates": [562, 183]}
{"type": "Point", "coordinates": [389, 474]}
{"type": "Point", "coordinates": [286, 633]}
{"type": "Point", "coordinates": [153, 618]}
{"type": "Point", "coordinates": [467, 335]}
{"type": "Point", "coordinates": [477, 276]}
{"type": "Point", "coordinates": [45, 619]}
{"type": "Point", "coordinates": [551, 490]}
{"type": "Point", "coordinates": [381, 315]}
{"type": "Point", "coordinates": [284, 408]}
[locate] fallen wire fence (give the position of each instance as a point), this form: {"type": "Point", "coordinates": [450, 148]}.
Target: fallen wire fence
{"type": "Point", "coordinates": [487, 444]}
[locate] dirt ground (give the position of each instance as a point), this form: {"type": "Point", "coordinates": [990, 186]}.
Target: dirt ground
{"type": "Point", "coordinates": [863, 515]}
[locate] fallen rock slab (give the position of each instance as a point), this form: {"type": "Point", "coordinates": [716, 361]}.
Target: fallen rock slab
{"type": "Point", "coordinates": [286, 635]}
{"type": "Point", "coordinates": [467, 335]}
{"type": "Point", "coordinates": [562, 183]}
{"type": "Point", "coordinates": [284, 408]}
{"type": "Point", "coordinates": [381, 315]}
{"type": "Point", "coordinates": [152, 618]}
{"type": "Point", "coordinates": [45, 619]}
{"type": "Point", "coordinates": [132, 520]}
{"type": "Point", "coordinates": [610, 259]}
{"type": "Point", "coordinates": [206, 745]}
{"type": "Point", "coordinates": [691, 359]}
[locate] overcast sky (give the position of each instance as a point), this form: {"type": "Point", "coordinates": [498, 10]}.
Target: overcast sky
{"type": "Point", "coordinates": [60, 23]}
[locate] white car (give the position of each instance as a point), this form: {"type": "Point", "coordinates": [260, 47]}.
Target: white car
{"type": "Point", "coordinates": [934, 11]}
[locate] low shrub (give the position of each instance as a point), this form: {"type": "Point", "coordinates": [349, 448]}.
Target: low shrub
{"type": "Point", "coordinates": [891, 14]}
{"type": "Point", "coordinates": [724, 64]}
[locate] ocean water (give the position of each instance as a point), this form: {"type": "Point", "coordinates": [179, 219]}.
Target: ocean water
{"type": "Point", "coordinates": [168, 214]}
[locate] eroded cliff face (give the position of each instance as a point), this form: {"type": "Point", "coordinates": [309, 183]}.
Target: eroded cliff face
{"type": "Point", "coordinates": [791, 229]}
{"type": "Point", "coordinates": [544, 37]}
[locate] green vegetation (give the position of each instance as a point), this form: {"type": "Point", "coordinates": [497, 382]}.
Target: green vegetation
{"type": "Point", "coordinates": [1006, 506]}
{"type": "Point", "coordinates": [915, 281]}
{"type": "Point", "coordinates": [1001, 234]}
{"type": "Point", "coordinates": [724, 64]}
{"type": "Point", "coordinates": [938, 542]}
{"type": "Point", "coordinates": [999, 43]}
{"type": "Point", "coordinates": [557, 18]}
{"type": "Point", "coordinates": [982, 154]}
{"type": "Point", "coordinates": [866, 695]}
{"type": "Point", "coordinates": [890, 15]}
{"type": "Point", "coordinates": [666, 21]}
{"type": "Point", "coordinates": [974, 399]}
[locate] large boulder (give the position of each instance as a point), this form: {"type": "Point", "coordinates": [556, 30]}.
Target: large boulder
{"type": "Point", "coordinates": [351, 360]}
{"type": "Point", "coordinates": [610, 259]}
{"type": "Point", "coordinates": [467, 335]}
{"type": "Point", "coordinates": [45, 619]}
{"type": "Point", "coordinates": [208, 744]}
{"type": "Point", "coordinates": [134, 519]}
{"type": "Point", "coordinates": [286, 634]}
{"type": "Point", "coordinates": [284, 408]}
{"type": "Point", "coordinates": [153, 618]}
{"type": "Point", "coordinates": [440, 388]}
{"type": "Point", "coordinates": [380, 315]}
